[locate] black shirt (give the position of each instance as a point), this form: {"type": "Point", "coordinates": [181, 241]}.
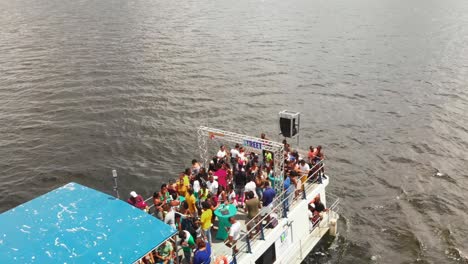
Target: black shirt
{"type": "Point", "coordinates": [240, 178]}
{"type": "Point", "coordinates": [319, 206]}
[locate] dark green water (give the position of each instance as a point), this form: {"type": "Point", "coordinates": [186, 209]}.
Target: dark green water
{"type": "Point", "coordinates": [89, 86]}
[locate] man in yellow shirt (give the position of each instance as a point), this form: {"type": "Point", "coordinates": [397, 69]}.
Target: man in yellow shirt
{"type": "Point", "coordinates": [206, 221]}
{"type": "Point", "coordinates": [187, 176]}
{"type": "Point", "coordinates": [191, 201]}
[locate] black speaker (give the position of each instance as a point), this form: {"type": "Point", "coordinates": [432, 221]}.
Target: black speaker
{"type": "Point", "coordinates": [286, 124]}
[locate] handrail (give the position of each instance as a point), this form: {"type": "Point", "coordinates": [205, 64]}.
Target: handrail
{"type": "Point", "coordinates": [278, 197]}
{"type": "Point", "coordinates": [277, 202]}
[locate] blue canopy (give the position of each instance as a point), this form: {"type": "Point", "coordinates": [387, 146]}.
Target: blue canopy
{"type": "Point", "coordinates": [76, 224]}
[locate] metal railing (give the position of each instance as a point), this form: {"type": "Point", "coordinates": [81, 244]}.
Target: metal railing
{"type": "Point", "coordinates": [280, 205]}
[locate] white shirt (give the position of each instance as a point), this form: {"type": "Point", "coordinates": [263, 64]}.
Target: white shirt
{"type": "Point", "coordinates": [234, 231]}
{"type": "Point", "coordinates": [196, 186]}
{"type": "Point", "coordinates": [195, 169]}
{"type": "Point", "coordinates": [242, 156]}
{"type": "Point", "coordinates": [187, 237]}
{"type": "Point", "coordinates": [250, 187]}
{"type": "Point", "coordinates": [221, 154]}
{"type": "Point", "coordinates": [304, 169]}
{"type": "Point", "coordinates": [170, 218]}
{"type": "Point", "coordinates": [232, 197]}
{"type": "Point", "coordinates": [234, 153]}
{"type": "Point", "coordinates": [212, 187]}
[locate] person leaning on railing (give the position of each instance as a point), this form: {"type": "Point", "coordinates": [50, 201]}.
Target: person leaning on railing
{"type": "Point", "coordinates": [313, 174]}
{"type": "Point", "coordinates": [314, 217]}
{"type": "Point", "coordinates": [318, 205]}
{"type": "Point", "coordinates": [138, 201]}
{"type": "Point", "coordinates": [319, 156]}
{"type": "Point", "coordinates": [234, 233]}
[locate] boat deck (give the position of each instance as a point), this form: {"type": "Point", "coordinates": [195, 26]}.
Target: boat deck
{"type": "Point", "coordinates": [220, 249]}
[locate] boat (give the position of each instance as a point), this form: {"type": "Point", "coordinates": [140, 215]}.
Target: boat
{"type": "Point", "coordinates": [293, 237]}
{"type": "Point", "coordinates": [76, 224]}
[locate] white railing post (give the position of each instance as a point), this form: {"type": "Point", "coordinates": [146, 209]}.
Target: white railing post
{"type": "Point", "coordinates": [116, 187]}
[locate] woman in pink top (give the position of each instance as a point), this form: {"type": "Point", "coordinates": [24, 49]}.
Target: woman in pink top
{"type": "Point", "coordinates": [222, 176]}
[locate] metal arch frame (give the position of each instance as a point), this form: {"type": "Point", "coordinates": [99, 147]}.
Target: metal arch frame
{"type": "Point", "coordinates": [277, 148]}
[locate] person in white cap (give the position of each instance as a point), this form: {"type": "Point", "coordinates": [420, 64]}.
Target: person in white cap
{"type": "Point", "coordinates": [137, 201]}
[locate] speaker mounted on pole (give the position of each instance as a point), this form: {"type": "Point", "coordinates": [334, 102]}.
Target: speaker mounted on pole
{"type": "Point", "coordinates": [289, 123]}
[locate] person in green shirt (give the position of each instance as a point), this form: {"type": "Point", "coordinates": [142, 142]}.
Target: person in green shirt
{"type": "Point", "coordinates": [164, 253]}
{"type": "Point", "coordinates": [187, 176]}
{"type": "Point", "coordinates": [188, 243]}
{"type": "Point", "coordinates": [268, 157]}
{"type": "Point", "coordinates": [271, 177]}
{"type": "Point", "coordinates": [204, 192]}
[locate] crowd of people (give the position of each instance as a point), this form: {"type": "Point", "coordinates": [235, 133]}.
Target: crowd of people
{"type": "Point", "coordinates": [245, 180]}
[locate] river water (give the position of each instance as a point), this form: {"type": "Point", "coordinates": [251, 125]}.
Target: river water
{"type": "Point", "coordinates": [87, 86]}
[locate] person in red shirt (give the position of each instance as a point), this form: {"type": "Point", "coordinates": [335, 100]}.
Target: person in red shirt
{"type": "Point", "coordinates": [137, 201]}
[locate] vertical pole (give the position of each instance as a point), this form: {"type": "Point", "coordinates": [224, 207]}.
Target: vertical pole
{"type": "Point", "coordinates": [304, 196]}
{"type": "Point", "coordinates": [262, 234]}
{"type": "Point", "coordinates": [291, 127]}
{"type": "Point", "coordinates": [116, 187]}
{"type": "Point", "coordinates": [285, 213]}
{"type": "Point", "coordinates": [298, 127]}
{"type": "Point", "coordinates": [176, 251]}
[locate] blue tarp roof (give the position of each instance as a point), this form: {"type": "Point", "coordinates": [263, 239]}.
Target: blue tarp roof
{"type": "Point", "coordinates": [76, 224]}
